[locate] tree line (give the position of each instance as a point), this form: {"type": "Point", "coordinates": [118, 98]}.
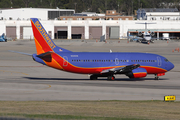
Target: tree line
{"type": "Point", "coordinates": [126, 7]}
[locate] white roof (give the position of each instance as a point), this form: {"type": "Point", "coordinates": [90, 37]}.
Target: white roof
{"type": "Point", "coordinates": [163, 13]}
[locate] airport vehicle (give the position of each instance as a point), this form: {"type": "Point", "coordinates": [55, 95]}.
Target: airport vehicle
{"type": "Point", "coordinates": [98, 64]}
{"type": "Point", "coordinates": [166, 36]}
{"type": "Point", "coordinates": [3, 38]}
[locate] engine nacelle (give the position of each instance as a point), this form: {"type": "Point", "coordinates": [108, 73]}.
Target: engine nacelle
{"type": "Point", "coordinates": [140, 33]}
{"type": "Point", "coordinates": [137, 73]}
{"type": "Point", "coordinates": [152, 33]}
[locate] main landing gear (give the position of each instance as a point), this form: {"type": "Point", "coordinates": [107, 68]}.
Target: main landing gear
{"type": "Point", "coordinates": [95, 77]}
{"type": "Point", "coordinates": [156, 77]}
{"type": "Point", "coordinates": [111, 77]}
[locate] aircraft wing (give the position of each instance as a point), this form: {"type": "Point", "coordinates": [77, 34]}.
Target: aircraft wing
{"type": "Point", "coordinates": [121, 70]}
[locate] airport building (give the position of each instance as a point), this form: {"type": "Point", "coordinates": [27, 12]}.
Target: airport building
{"type": "Point", "coordinates": [82, 29]}
{"type": "Point", "coordinates": [158, 14]}
{"type": "Point", "coordinates": [40, 13]}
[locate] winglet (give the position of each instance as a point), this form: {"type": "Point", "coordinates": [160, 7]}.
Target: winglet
{"type": "Point", "coordinates": [42, 40]}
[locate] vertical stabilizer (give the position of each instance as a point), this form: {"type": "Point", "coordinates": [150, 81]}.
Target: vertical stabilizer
{"type": "Point", "coordinates": [42, 40]}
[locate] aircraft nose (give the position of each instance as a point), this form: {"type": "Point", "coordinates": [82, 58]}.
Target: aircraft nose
{"type": "Point", "coordinates": [170, 66]}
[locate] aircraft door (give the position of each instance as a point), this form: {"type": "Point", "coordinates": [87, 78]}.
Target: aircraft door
{"type": "Point", "coordinates": [65, 61]}
{"type": "Point", "coordinates": [159, 61]}
{"type": "Point", "coordinates": [117, 61]}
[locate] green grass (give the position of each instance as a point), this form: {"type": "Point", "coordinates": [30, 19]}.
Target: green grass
{"type": "Point", "coordinates": [88, 110]}
{"type": "Point", "coordinates": [72, 117]}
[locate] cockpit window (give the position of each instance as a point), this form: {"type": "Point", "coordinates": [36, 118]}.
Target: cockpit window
{"type": "Point", "coordinates": [166, 60]}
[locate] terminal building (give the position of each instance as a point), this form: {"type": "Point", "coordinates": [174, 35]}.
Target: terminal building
{"type": "Point", "coordinates": [17, 25]}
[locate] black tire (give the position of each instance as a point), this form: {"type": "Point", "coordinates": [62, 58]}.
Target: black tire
{"type": "Point", "coordinates": [93, 77]}
{"type": "Point", "coordinates": [111, 78]}
{"type": "Point", "coordinates": [156, 78]}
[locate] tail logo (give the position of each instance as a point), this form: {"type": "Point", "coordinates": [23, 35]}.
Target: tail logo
{"type": "Point", "coordinates": [44, 34]}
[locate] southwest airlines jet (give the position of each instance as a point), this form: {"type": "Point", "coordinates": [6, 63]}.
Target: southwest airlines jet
{"type": "Point", "coordinates": [98, 64]}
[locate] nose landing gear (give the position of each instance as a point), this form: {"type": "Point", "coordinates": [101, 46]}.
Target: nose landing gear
{"type": "Point", "coordinates": [156, 77]}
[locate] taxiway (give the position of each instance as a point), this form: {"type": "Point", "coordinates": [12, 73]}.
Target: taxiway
{"type": "Point", "coordinates": [22, 79]}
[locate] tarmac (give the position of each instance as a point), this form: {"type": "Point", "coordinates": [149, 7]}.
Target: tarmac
{"type": "Point", "coordinates": [23, 79]}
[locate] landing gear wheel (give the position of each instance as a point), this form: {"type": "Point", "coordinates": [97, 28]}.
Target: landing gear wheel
{"type": "Point", "coordinates": [93, 77]}
{"type": "Point", "coordinates": [156, 78]}
{"type": "Point", "coordinates": [111, 78]}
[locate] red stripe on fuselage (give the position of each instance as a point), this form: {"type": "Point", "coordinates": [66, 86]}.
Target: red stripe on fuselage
{"type": "Point", "coordinates": [153, 70]}
{"type": "Point", "coordinates": [140, 75]}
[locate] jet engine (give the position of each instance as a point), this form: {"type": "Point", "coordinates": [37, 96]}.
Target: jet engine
{"type": "Point", "coordinates": [137, 73]}
{"type": "Point", "coordinates": [152, 33]}
{"type": "Point", "coordinates": [140, 33]}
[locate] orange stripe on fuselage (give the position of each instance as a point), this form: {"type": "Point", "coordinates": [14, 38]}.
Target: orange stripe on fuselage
{"type": "Point", "coordinates": [54, 64]}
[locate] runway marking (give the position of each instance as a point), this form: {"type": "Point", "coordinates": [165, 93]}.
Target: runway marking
{"type": "Point", "coordinates": [14, 72]}
{"type": "Point", "coordinates": [46, 87]}
{"type": "Point", "coordinates": [49, 86]}
{"type": "Point", "coordinates": [70, 44]}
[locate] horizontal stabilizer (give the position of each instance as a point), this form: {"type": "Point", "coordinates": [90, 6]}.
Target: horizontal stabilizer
{"type": "Point", "coordinates": [21, 53]}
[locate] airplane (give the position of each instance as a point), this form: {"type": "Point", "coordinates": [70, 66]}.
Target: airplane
{"type": "Point", "coordinates": [145, 36]}
{"type": "Point", "coordinates": [97, 64]}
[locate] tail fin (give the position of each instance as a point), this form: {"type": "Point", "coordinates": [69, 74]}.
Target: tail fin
{"type": "Point", "coordinates": [42, 40]}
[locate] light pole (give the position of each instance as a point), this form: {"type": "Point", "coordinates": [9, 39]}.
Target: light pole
{"type": "Point", "coordinates": [75, 7]}
{"type": "Point", "coordinates": [118, 7]}
{"type": "Point", "coordinates": [132, 7]}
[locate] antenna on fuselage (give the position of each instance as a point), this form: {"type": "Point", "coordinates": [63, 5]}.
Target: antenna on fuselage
{"type": "Point", "coordinates": [110, 51]}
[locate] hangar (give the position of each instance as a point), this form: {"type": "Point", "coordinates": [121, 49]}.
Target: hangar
{"type": "Point", "coordinates": [93, 29]}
